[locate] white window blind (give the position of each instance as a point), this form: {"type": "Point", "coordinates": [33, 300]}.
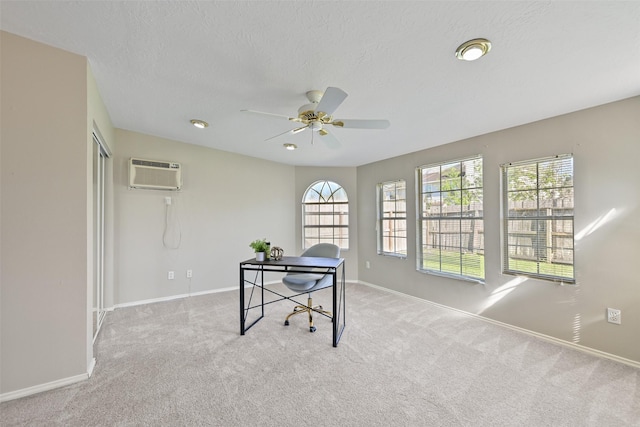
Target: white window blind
{"type": "Point", "coordinates": [325, 215]}
{"type": "Point", "coordinates": [450, 219]}
{"type": "Point", "coordinates": [538, 211]}
{"type": "Point", "coordinates": [392, 218]}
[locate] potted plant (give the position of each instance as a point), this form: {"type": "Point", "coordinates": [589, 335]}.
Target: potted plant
{"type": "Point", "coordinates": [260, 247]}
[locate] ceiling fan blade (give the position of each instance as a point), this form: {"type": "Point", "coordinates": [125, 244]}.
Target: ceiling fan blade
{"type": "Point", "coordinates": [298, 130]}
{"type": "Point", "coordinates": [295, 119]}
{"type": "Point", "coordinates": [362, 124]}
{"type": "Point", "coordinates": [291, 132]}
{"type": "Point", "coordinates": [331, 100]}
{"type": "Point", "coordinates": [330, 140]}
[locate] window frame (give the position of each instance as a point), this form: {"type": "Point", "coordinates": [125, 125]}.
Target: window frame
{"type": "Point", "coordinates": [323, 201]}
{"type": "Point", "coordinates": [507, 218]}
{"type": "Point", "coordinates": [423, 219]}
{"type": "Point", "coordinates": [381, 218]}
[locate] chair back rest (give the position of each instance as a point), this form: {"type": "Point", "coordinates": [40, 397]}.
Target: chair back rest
{"type": "Point", "coordinates": [323, 250]}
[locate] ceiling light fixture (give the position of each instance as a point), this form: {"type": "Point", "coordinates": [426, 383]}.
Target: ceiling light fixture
{"type": "Point", "coordinates": [200, 124]}
{"type": "Point", "coordinates": [290, 147]}
{"type": "Point", "coordinates": [473, 49]}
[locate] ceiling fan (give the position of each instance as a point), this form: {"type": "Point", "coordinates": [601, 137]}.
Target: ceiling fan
{"type": "Point", "coordinates": [318, 114]}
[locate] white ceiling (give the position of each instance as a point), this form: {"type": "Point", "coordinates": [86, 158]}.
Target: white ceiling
{"type": "Point", "coordinates": [160, 64]}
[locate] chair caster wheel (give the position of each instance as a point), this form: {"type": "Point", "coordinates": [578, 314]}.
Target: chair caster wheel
{"type": "Point", "coordinates": [312, 329]}
{"type": "Point", "coordinates": [286, 323]}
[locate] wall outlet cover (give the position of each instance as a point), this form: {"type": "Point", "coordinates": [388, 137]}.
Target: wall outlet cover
{"type": "Point", "coordinates": [614, 316]}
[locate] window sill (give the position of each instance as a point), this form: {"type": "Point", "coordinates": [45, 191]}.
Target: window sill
{"type": "Point", "coordinates": [451, 276]}
{"type": "Point", "coordinates": [392, 255]}
{"type": "Point", "coordinates": [556, 280]}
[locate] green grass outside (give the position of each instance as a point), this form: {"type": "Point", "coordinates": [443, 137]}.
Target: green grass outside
{"type": "Point", "coordinates": [449, 262]}
{"type": "Point", "coordinates": [545, 268]}
{"type": "Point", "coordinates": [473, 265]}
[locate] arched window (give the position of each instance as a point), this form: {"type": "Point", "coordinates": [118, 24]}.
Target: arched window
{"type": "Point", "coordinates": [325, 215]}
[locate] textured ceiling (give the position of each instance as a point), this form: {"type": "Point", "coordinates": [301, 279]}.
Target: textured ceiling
{"type": "Point", "coordinates": [160, 64]}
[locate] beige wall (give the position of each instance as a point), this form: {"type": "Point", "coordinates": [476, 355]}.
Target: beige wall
{"type": "Point", "coordinates": [226, 202]}
{"type": "Point", "coordinates": [347, 178]}
{"type": "Point", "coordinates": [605, 144]}
{"type": "Point", "coordinates": [44, 214]}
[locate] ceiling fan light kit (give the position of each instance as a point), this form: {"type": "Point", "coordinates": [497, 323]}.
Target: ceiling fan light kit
{"type": "Point", "coordinates": [316, 115]}
{"type": "Point", "coordinates": [473, 49]}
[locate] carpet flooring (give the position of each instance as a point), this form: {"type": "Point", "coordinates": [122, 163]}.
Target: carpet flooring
{"type": "Point", "coordinates": [401, 362]}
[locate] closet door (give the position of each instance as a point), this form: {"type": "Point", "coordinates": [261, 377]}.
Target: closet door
{"type": "Point", "coordinates": [99, 163]}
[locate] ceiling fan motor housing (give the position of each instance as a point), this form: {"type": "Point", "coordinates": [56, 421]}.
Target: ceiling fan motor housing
{"type": "Point", "coordinates": [306, 109]}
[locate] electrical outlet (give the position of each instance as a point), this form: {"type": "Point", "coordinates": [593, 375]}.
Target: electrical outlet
{"type": "Point", "coordinates": [189, 274]}
{"type": "Point", "coordinates": [367, 264]}
{"type": "Point", "coordinates": [614, 316]}
{"type": "Point", "coordinates": [171, 275]}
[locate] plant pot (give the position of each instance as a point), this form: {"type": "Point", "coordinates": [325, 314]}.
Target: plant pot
{"type": "Point", "coordinates": [259, 256]}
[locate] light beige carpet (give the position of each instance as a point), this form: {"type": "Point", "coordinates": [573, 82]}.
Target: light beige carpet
{"type": "Point", "coordinates": [401, 362]}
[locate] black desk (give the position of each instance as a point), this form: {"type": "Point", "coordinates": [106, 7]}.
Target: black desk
{"type": "Point", "coordinates": [286, 264]}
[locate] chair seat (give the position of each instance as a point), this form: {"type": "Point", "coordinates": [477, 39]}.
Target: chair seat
{"type": "Point", "coordinates": [301, 282]}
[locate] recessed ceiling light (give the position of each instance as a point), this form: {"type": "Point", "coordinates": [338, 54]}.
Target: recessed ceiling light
{"type": "Point", "coordinates": [200, 124]}
{"type": "Point", "coordinates": [290, 147]}
{"type": "Point", "coordinates": [473, 49]}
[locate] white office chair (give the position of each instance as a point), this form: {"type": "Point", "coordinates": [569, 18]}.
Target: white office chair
{"type": "Point", "coordinates": [309, 282]}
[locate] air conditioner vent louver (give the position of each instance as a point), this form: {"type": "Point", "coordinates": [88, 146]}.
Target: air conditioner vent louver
{"type": "Point", "coordinates": [154, 175]}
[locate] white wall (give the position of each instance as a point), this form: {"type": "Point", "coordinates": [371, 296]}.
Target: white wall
{"type": "Point", "coordinates": [227, 201]}
{"type": "Point", "coordinates": [44, 214]}
{"type": "Point", "coordinates": [606, 148]}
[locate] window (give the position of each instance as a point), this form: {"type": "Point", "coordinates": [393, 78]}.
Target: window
{"type": "Point", "coordinates": [325, 215]}
{"type": "Point", "coordinates": [450, 222]}
{"type": "Point", "coordinates": [392, 218]}
{"type": "Point", "coordinates": [538, 213]}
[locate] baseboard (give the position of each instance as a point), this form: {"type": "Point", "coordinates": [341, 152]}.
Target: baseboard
{"type": "Point", "coordinates": [180, 296]}
{"type": "Point", "coordinates": [92, 365]}
{"type": "Point", "coordinates": [193, 294]}
{"type": "Point", "coordinates": [168, 298]}
{"type": "Point", "coordinates": [544, 337]}
{"type": "Point", "coordinates": [5, 397]}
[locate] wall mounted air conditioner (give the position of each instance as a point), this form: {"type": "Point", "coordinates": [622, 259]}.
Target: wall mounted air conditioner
{"type": "Point", "coordinates": [154, 174]}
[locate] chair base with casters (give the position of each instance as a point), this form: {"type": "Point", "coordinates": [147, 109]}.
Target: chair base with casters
{"type": "Point", "coordinates": [309, 308]}
{"type": "Point", "coordinates": [309, 282]}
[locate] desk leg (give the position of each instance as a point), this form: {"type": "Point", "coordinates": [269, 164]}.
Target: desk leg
{"type": "Point", "coordinates": [241, 300]}
{"type": "Point", "coordinates": [262, 289]}
{"type": "Point", "coordinates": [336, 314]}
{"type": "Point", "coordinates": [339, 308]}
